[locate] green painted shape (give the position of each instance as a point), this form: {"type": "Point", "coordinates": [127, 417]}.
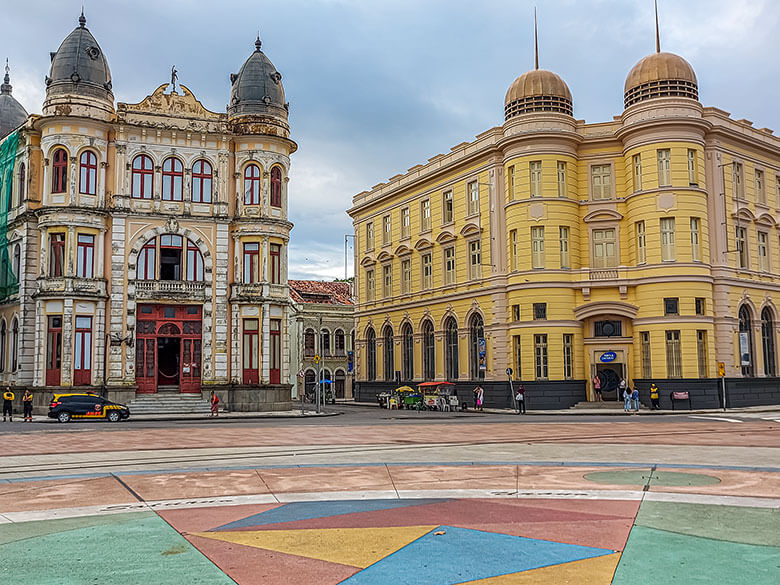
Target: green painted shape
{"type": "Point", "coordinates": [131, 549]}
{"type": "Point", "coordinates": [733, 523]}
{"type": "Point", "coordinates": [24, 530]}
{"type": "Point", "coordinates": [657, 556]}
{"type": "Point", "coordinates": [659, 478]}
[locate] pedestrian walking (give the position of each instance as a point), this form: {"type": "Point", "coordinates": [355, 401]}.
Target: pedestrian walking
{"type": "Point", "coordinates": [214, 400]}
{"type": "Point", "coordinates": [655, 396]}
{"type": "Point", "coordinates": [27, 403]}
{"type": "Point", "coordinates": [479, 395]}
{"type": "Point", "coordinates": [597, 387]}
{"type": "Point", "coordinates": [8, 404]}
{"type": "Point", "coordinates": [520, 398]}
{"type": "Point", "coordinates": [635, 399]}
{"type": "Point", "coordinates": [626, 400]}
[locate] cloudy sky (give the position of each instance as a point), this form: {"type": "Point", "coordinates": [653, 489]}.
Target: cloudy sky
{"type": "Point", "coordinates": [378, 86]}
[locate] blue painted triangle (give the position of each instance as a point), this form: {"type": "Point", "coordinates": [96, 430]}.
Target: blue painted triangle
{"type": "Point", "coordinates": [309, 510]}
{"type": "Point", "coordinates": [461, 554]}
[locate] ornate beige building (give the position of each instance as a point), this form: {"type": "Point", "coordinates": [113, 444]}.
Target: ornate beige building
{"type": "Point", "coordinates": [147, 243]}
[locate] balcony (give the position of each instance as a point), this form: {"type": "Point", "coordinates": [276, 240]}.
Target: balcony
{"type": "Point", "coordinates": [258, 291]}
{"type": "Point", "coordinates": [63, 286]}
{"type": "Point", "coordinates": [603, 274]}
{"type": "Point", "coordinates": [169, 289]}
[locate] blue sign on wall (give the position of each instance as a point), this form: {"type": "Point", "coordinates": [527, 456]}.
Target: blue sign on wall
{"type": "Point", "coordinates": [608, 356]}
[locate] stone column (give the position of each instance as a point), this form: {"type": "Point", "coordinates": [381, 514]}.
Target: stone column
{"type": "Point", "coordinates": [116, 318]}
{"type": "Point", "coordinates": [66, 377]}
{"type": "Point", "coordinates": [101, 187]}
{"type": "Point", "coordinates": [39, 347]}
{"type": "Point", "coordinates": [73, 182]}
{"type": "Point", "coordinates": [264, 256]}
{"type": "Point", "coordinates": [265, 354]}
{"type": "Point", "coordinates": [222, 292]}
{"type": "Point", "coordinates": [70, 252]}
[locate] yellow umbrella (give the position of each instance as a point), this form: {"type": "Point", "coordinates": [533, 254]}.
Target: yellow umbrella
{"type": "Point", "coordinates": [404, 389]}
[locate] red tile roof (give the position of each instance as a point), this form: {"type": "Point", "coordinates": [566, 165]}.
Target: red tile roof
{"type": "Point", "coordinates": [315, 291]}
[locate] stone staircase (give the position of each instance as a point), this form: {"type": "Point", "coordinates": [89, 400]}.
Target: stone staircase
{"type": "Point", "coordinates": [169, 403]}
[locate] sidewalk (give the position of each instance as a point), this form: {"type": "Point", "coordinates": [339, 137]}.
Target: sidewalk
{"type": "Point", "coordinates": [222, 416]}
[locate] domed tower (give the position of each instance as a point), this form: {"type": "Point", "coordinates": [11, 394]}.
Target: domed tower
{"type": "Point", "coordinates": [257, 103]}
{"type": "Point", "coordinates": [660, 75]}
{"type": "Point", "coordinates": [538, 90]}
{"type": "Point", "coordinates": [79, 82]}
{"type": "Point", "coordinates": [12, 113]}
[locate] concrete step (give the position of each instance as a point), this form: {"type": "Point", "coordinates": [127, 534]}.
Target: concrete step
{"type": "Point", "coordinates": [169, 404]}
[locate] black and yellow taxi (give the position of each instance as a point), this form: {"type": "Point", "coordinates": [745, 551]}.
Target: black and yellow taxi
{"type": "Point", "coordinates": [65, 407]}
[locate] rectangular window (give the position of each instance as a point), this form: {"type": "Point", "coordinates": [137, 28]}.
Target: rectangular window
{"type": "Point", "coordinates": [475, 260]}
{"type": "Point", "coordinates": [425, 215]}
{"type": "Point", "coordinates": [699, 305]}
{"type": "Point", "coordinates": [387, 227]}
{"type": "Point", "coordinates": [737, 181]}
{"type": "Point", "coordinates": [370, 235]}
{"type": "Point", "coordinates": [647, 370]}
{"type": "Point", "coordinates": [535, 169]}
{"type": "Point", "coordinates": [275, 366]}
{"type": "Point", "coordinates": [562, 179]}
{"type": "Point", "coordinates": [251, 262]}
{"type": "Point", "coordinates": [641, 243]}
{"type": "Point", "coordinates": [760, 191]}
{"type": "Point", "coordinates": [673, 355]}
{"type": "Point", "coordinates": [446, 207]}
{"type": "Point", "coordinates": [693, 178]}
{"type": "Point", "coordinates": [695, 240]}
{"type": "Point", "coordinates": [742, 255]}
{"type": "Point", "coordinates": [513, 250]}
{"type": "Point", "coordinates": [85, 256]}
{"type": "Point", "coordinates": [701, 352]}
{"type": "Point", "coordinates": [763, 252]}
{"type": "Point", "coordinates": [637, 160]}
{"type": "Point", "coordinates": [664, 167]}
{"type": "Point", "coordinates": [537, 247]}
{"type": "Point", "coordinates": [82, 352]}
{"type": "Point", "coordinates": [563, 238]}
{"type": "Point", "coordinates": [387, 281]}
{"type": "Point", "coordinates": [668, 252]}
{"type": "Point", "coordinates": [604, 248]}
{"type": "Point", "coordinates": [515, 312]}
{"type": "Point", "coordinates": [405, 223]}
{"type": "Point", "coordinates": [54, 350]}
{"type": "Point", "coordinates": [516, 351]}
{"type": "Point", "coordinates": [251, 352]}
{"type": "Point", "coordinates": [406, 276]}
{"type": "Point", "coordinates": [540, 346]}
{"type": "Point", "coordinates": [540, 311]}
{"type": "Point", "coordinates": [568, 360]}
{"type": "Point", "coordinates": [671, 306]}
{"type": "Point", "coordinates": [427, 271]}
{"type": "Point", "coordinates": [601, 181]}
{"type": "Point", "coordinates": [275, 251]}
{"type": "Point", "coordinates": [449, 265]}
{"type": "Point", "coordinates": [473, 193]}
{"type": "Point", "coordinates": [57, 254]}
{"type": "Point", "coordinates": [370, 285]}
{"type": "Point", "coordinates": [511, 182]}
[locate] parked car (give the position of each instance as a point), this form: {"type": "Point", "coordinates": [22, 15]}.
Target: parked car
{"type": "Point", "coordinates": [65, 407]}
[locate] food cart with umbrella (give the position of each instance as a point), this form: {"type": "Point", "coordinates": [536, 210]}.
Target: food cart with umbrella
{"type": "Point", "coordinates": [437, 394]}
{"type": "Point", "coordinates": [407, 397]}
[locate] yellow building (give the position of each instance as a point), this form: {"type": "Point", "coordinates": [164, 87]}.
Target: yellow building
{"type": "Point", "coordinates": [644, 248]}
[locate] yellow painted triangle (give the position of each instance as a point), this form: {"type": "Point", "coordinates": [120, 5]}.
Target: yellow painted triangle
{"type": "Point", "coordinates": [594, 571]}
{"type": "Point", "coordinates": [358, 547]}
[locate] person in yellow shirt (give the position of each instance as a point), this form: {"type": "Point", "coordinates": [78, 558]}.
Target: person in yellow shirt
{"type": "Point", "coordinates": [8, 404]}
{"type": "Point", "coordinates": [655, 397]}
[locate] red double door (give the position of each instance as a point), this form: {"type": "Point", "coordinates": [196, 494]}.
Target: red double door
{"type": "Point", "coordinates": [168, 347]}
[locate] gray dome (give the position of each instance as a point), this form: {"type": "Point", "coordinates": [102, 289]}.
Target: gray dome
{"type": "Point", "coordinates": [12, 114]}
{"type": "Point", "coordinates": [79, 67]}
{"type": "Point", "coordinates": [257, 88]}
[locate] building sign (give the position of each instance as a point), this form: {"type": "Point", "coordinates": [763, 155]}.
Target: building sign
{"type": "Point", "coordinates": [350, 361]}
{"type": "Point", "coordinates": [608, 356]}
{"type": "Point", "coordinates": [482, 350]}
{"type": "Point", "coordinates": [744, 348]}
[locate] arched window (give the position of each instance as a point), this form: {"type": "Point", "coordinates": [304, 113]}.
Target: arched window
{"type": "Point", "coordinates": [176, 262]}
{"type": "Point", "coordinates": [252, 184]}
{"type": "Point", "coordinates": [768, 341]}
{"type": "Point", "coordinates": [338, 343]}
{"type": "Point", "coordinates": [407, 337]}
{"type": "Point", "coordinates": [17, 261]}
{"type": "Point", "coordinates": [370, 354]}
{"type": "Point", "coordinates": [22, 181]}
{"type": "Point", "coordinates": [201, 182]}
{"type": "Point", "coordinates": [14, 344]}
{"type": "Point", "coordinates": [451, 346]}
{"type": "Point", "coordinates": [389, 354]}
{"type": "Point", "coordinates": [477, 353]}
{"type": "Point", "coordinates": [308, 343]}
{"type": "Point", "coordinates": [168, 329]}
{"type": "Point", "coordinates": [428, 351]}
{"type": "Point", "coordinates": [3, 333]}
{"type": "Point", "coordinates": [172, 179]}
{"type": "Point", "coordinates": [143, 177]}
{"type": "Point", "coordinates": [276, 187]}
{"type": "Point", "coordinates": [194, 262]}
{"type": "Point", "coordinates": [88, 173]}
{"type": "Point", "coordinates": [310, 382]}
{"type": "Point", "coordinates": [59, 176]}
{"type": "Point", "coordinates": [339, 383]}
{"type": "Point", "coordinates": [146, 261]}
{"type": "Point", "coordinates": [746, 342]}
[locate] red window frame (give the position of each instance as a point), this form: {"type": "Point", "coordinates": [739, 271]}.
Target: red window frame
{"type": "Point", "coordinates": [252, 184]}
{"type": "Point", "coordinates": [251, 262]}
{"type": "Point", "coordinates": [142, 184]}
{"type": "Point", "coordinates": [250, 358]}
{"type": "Point", "coordinates": [82, 351]}
{"type": "Point", "coordinates": [147, 261]}
{"type": "Point", "coordinates": [59, 177]}
{"type": "Point", "coordinates": [276, 187]}
{"type": "Point", "coordinates": [274, 252]}
{"type": "Point", "coordinates": [202, 181]}
{"type": "Point", "coordinates": [275, 371]}
{"type": "Point", "coordinates": [172, 179]}
{"type": "Point", "coordinates": [54, 350]}
{"type": "Point", "coordinates": [88, 173]}
{"type": "Point", "coordinates": [57, 254]}
{"type": "Point", "coordinates": [194, 262]}
{"type": "Point", "coordinates": [85, 255]}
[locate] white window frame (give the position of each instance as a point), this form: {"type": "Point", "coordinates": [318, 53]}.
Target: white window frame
{"type": "Point", "coordinates": [426, 269]}
{"type": "Point", "coordinates": [405, 222]}
{"type": "Point", "coordinates": [737, 180]}
{"type": "Point", "coordinates": [387, 230]}
{"type": "Point", "coordinates": [406, 276]}
{"type": "Point", "coordinates": [601, 182]}
{"type": "Point", "coordinates": [511, 182]}
{"type": "Point", "coordinates": [513, 250]}
{"type": "Point", "coordinates": [447, 209]}
{"type": "Point", "coordinates": [387, 281]}
{"type": "Point", "coordinates": [370, 235]}
{"type": "Point", "coordinates": [695, 239]}
{"type": "Point", "coordinates": [475, 260]}
{"type": "Point", "coordinates": [472, 190]}
{"type": "Point", "coordinates": [641, 242]}
{"type": "Point", "coordinates": [370, 284]}
{"type": "Point", "coordinates": [743, 260]}
{"type": "Point", "coordinates": [760, 187]}
{"type": "Point", "coordinates": [535, 178]}
{"type": "Point", "coordinates": [693, 178]}
{"type": "Point", "coordinates": [668, 248]}
{"type": "Point", "coordinates": [537, 247]}
{"type": "Point", "coordinates": [449, 265]}
{"type": "Point", "coordinates": [563, 240]}
{"type": "Point", "coordinates": [637, 165]}
{"type": "Point", "coordinates": [561, 166]}
{"type": "Point", "coordinates": [604, 248]}
{"type": "Point", "coordinates": [763, 251]}
{"type": "Point", "coordinates": [664, 167]}
{"type": "Point", "coordinates": [425, 215]}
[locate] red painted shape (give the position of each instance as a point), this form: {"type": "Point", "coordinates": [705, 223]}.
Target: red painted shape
{"type": "Point", "coordinates": [205, 519]}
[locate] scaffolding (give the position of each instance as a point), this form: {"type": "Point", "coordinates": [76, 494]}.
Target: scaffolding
{"type": "Point", "coordinates": [9, 282]}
